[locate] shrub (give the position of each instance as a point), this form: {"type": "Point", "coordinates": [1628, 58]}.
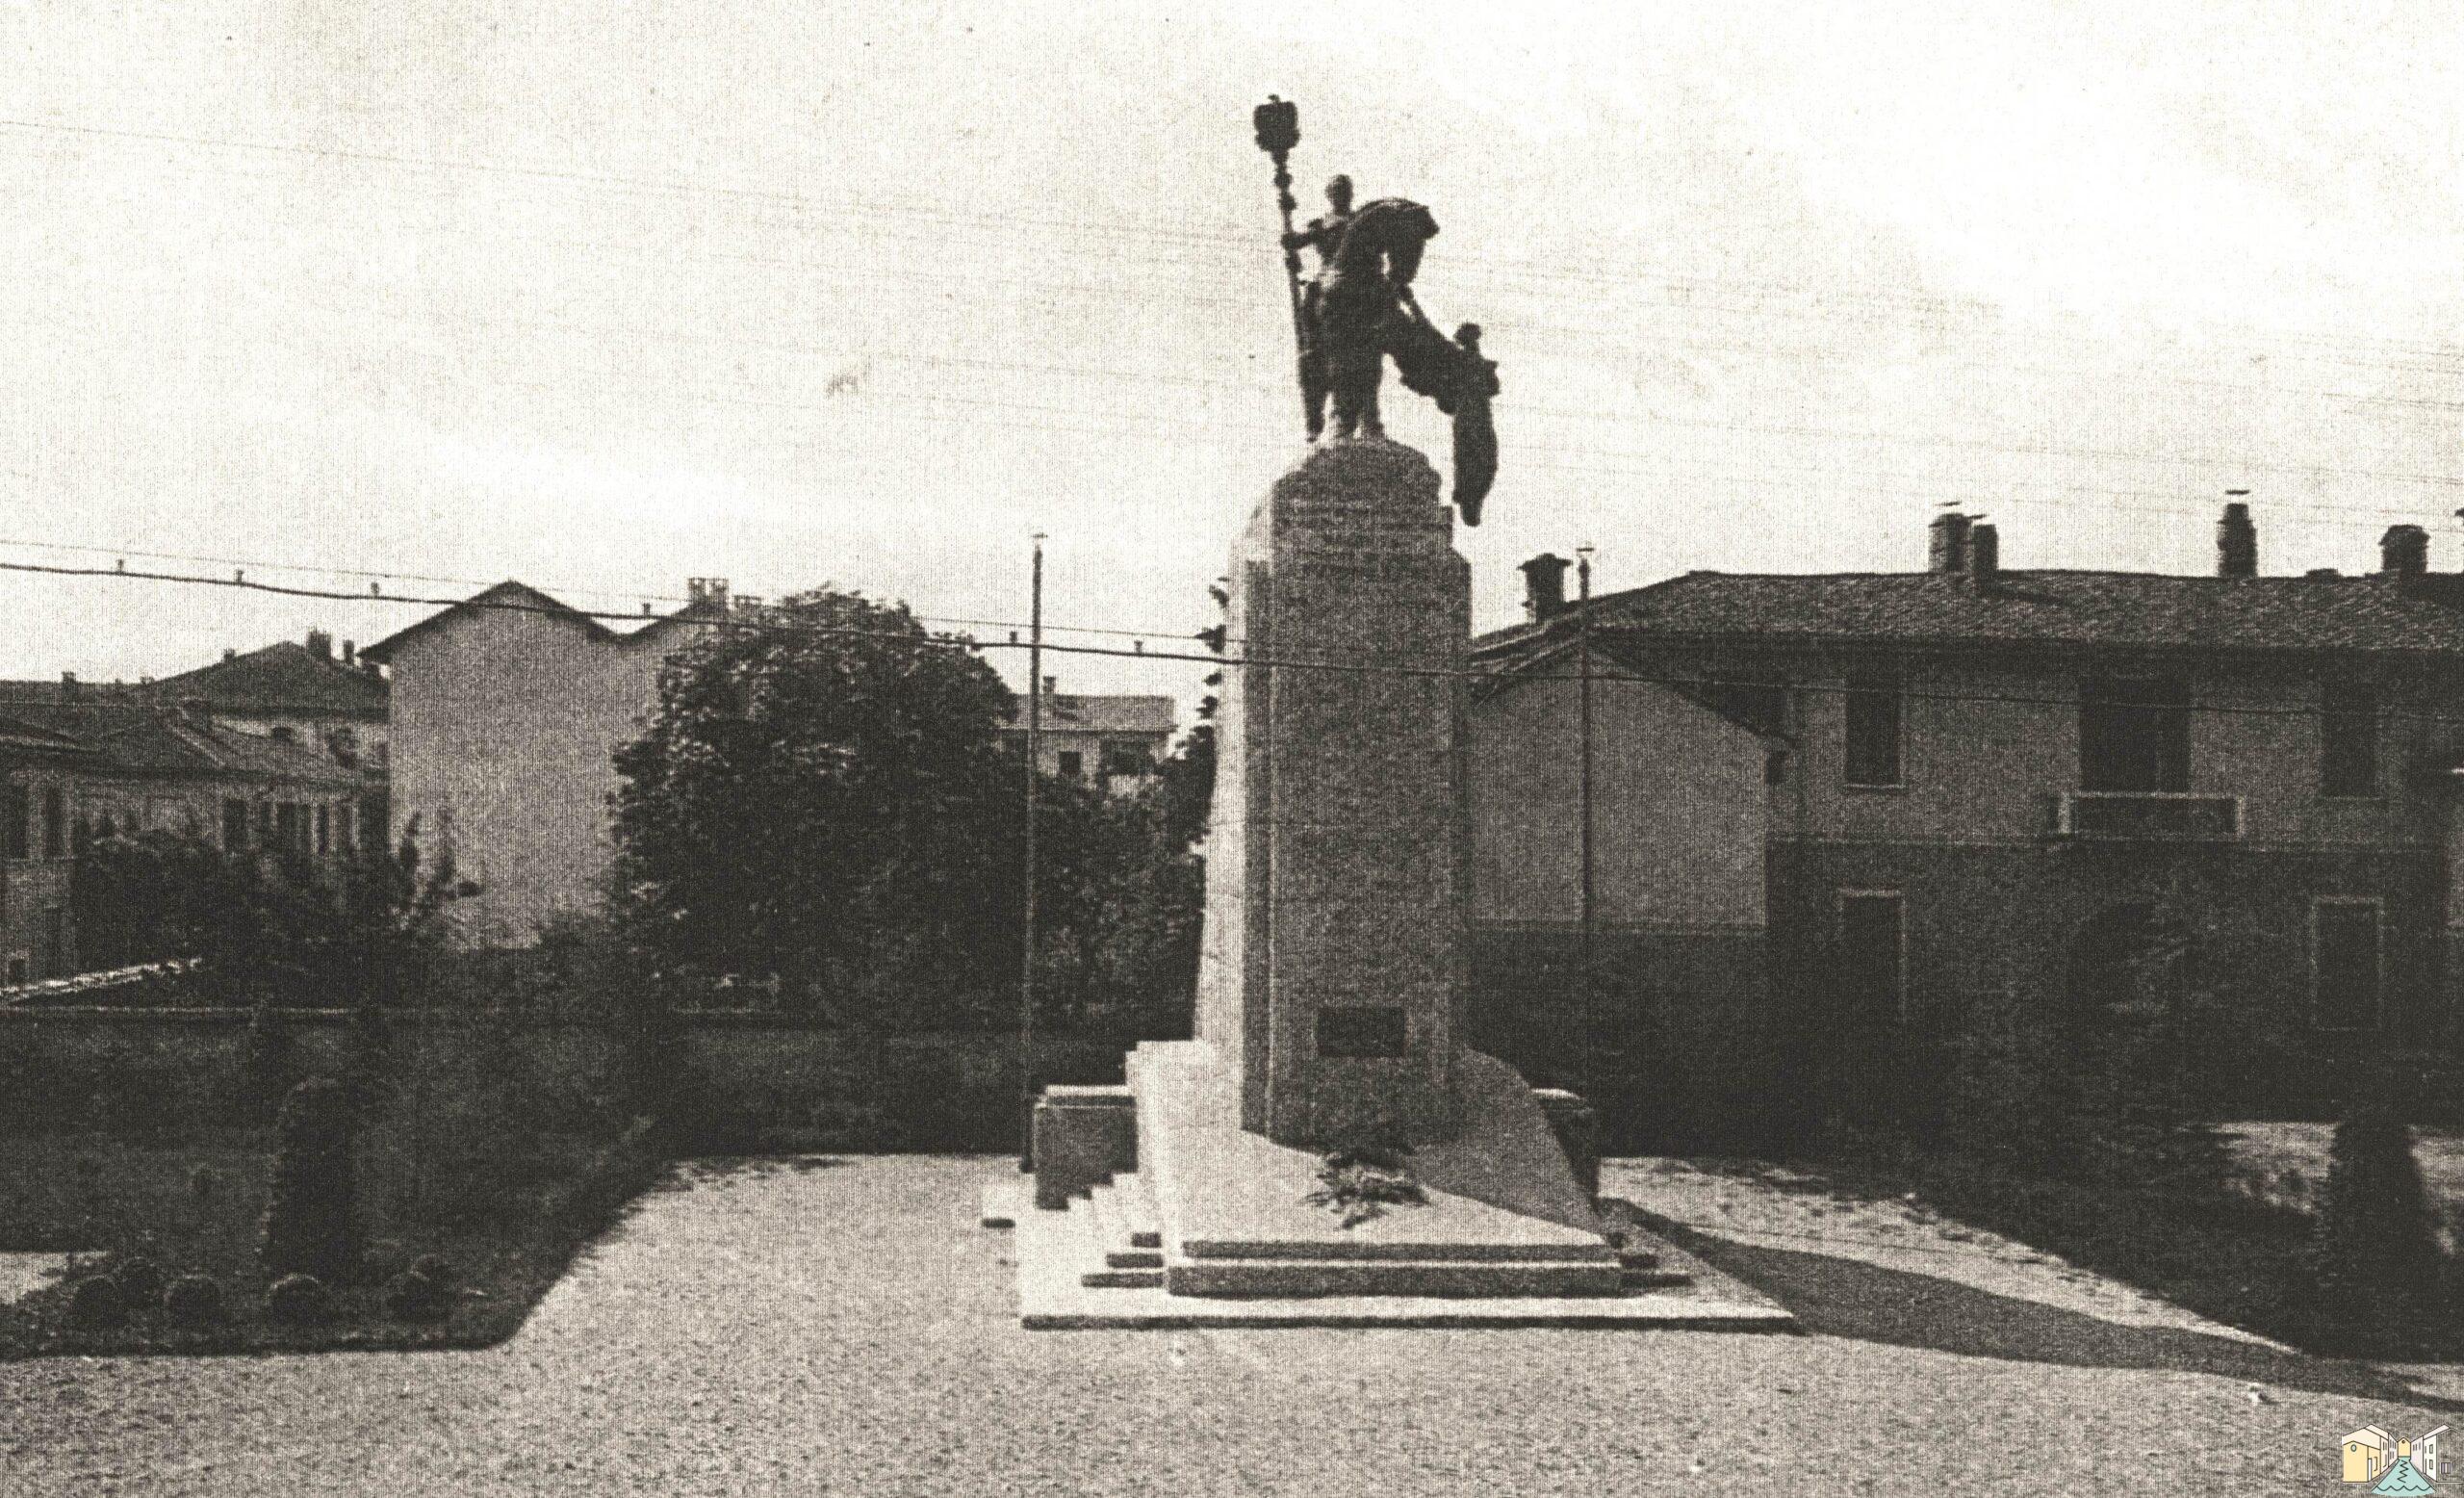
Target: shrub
{"type": "Point", "coordinates": [434, 1267]}
{"type": "Point", "coordinates": [140, 1279]}
{"type": "Point", "coordinates": [192, 1301]}
{"type": "Point", "coordinates": [366, 1045]}
{"type": "Point", "coordinates": [267, 1060]}
{"type": "Point", "coordinates": [97, 1301]}
{"type": "Point", "coordinates": [310, 1225]}
{"type": "Point", "coordinates": [2375, 1258]}
{"type": "Point", "coordinates": [412, 1296]}
{"type": "Point", "coordinates": [298, 1300]}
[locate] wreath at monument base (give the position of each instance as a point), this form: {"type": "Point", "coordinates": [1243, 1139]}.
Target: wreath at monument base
{"type": "Point", "coordinates": [1363, 1177]}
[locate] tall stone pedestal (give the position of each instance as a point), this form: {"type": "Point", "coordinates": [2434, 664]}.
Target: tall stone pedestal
{"type": "Point", "coordinates": [1332, 974]}
{"type": "Point", "coordinates": [1331, 988]}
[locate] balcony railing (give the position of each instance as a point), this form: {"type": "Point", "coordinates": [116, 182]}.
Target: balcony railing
{"type": "Point", "coordinates": [2147, 817]}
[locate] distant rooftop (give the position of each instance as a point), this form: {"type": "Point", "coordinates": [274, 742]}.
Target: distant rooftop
{"type": "Point", "coordinates": [289, 677]}
{"type": "Point", "coordinates": [1099, 714]}
{"type": "Point", "coordinates": [2371, 612]}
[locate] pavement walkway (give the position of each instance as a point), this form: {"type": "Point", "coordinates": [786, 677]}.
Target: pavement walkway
{"type": "Point", "coordinates": [844, 1326]}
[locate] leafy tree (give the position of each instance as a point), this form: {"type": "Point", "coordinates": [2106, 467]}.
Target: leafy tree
{"type": "Point", "coordinates": [822, 800]}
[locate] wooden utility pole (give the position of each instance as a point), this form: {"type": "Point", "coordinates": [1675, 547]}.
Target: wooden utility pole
{"type": "Point", "coordinates": [1591, 1059]}
{"type": "Point", "coordinates": [1035, 801]}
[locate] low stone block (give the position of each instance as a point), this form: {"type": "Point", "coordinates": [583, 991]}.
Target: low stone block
{"type": "Point", "coordinates": [1577, 1126]}
{"type": "Point", "coordinates": [1083, 1136]}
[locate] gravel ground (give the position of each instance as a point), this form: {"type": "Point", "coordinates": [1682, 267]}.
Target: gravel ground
{"type": "Point", "coordinates": [845, 1327]}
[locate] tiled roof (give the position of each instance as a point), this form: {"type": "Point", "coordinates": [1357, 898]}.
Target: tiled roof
{"type": "Point", "coordinates": [1083, 714]}
{"type": "Point", "coordinates": [508, 594]}
{"type": "Point", "coordinates": [286, 677]}
{"type": "Point", "coordinates": [141, 738]}
{"type": "Point", "coordinates": [35, 739]}
{"type": "Point", "coordinates": [2369, 613]}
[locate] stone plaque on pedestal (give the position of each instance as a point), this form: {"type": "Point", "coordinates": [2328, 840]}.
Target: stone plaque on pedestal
{"type": "Point", "coordinates": [1333, 972]}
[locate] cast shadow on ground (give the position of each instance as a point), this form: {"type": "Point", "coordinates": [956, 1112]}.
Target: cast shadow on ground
{"type": "Point", "coordinates": [1846, 1298]}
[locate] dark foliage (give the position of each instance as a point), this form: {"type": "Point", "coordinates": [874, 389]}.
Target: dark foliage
{"type": "Point", "coordinates": [140, 1279]}
{"type": "Point", "coordinates": [413, 1296]}
{"type": "Point", "coordinates": [821, 819]}
{"type": "Point", "coordinates": [192, 1303]}
{"type": "Point", "coordinates": [311, 1224]}
{"type": "Point", "coordinates": [299, 1300]}
{"type": "Point", "coordinates": [96, 1301]}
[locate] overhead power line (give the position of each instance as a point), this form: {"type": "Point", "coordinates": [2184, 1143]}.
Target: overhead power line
{"type": "Point", "coordinates": [1356, 666]}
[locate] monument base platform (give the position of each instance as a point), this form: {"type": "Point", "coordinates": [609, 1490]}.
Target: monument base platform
{"type": "Point", "coordinates": [1213, 1226]}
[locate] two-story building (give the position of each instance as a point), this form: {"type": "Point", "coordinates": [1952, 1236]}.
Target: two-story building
{"type": "Point", "coordinates": [507, 709]}
{"type": "Point", "coordinates": [300, 693]}
{"type": "Point", "coordinates": [1981, 779]}
{"type": "Point", "coordinates": [38, 798]}
{"type": "Point", "coordinates": [1110, 742]}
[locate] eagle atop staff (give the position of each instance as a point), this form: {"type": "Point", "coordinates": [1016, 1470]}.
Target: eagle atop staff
{"type": "Point", "coordinates": [1359, 309]}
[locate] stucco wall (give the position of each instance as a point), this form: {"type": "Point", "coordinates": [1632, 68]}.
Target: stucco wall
{"type": "Point", "coordinates": [32, 887]}
{"type": "Point", "coordinates": [503, 725]}
{"type": "Point", "coordinates": [1678, 808]}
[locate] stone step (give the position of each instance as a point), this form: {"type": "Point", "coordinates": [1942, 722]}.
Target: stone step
{"type": "Point", "coordinates": [1484, 1277]}
{"type": "Point", "coordinates": [1123, 1278]}
{"type": "Point", "coordinates": [1655, 1279]}
{"type": "Point", "coordinates": [1137, 1199]}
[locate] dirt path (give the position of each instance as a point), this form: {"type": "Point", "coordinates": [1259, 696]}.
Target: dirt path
{"type": "Point", "coordinates": [847, 1330]}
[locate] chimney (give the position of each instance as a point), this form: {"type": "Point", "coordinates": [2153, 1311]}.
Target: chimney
{"type": "Point", "coordinates": [350, 653]}
{"type": "Point", "coordinates": [1948, 553]}
{"type": "Point", "coordinates": [68, 687]}
{"type": "Point", "coordinates": [2404, 552]}
{"type": "Point", "coordinates": [1544, 588]}
{"type": "Point", "coordinates": [230, 652]}
{"type": "Point", "coordinates": [710, 592]}
{"type": "Point", "coordinates": [320, 644]}
{"type": "Point", "coordinates": [2237, 540]}
{"type": "Point", "coordinates": [1984, 556]}
{"type": "Point", "coordinates": [1051, 686]}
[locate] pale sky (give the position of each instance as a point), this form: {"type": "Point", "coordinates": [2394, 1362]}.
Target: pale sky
{"type": "Point", "coordinates": [811, 293]}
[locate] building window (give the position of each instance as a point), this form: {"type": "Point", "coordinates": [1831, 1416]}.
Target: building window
{"type": "Point", "coordinates": [55, 822]}
{"type": "Point", "coordinates": [1873, 954]}
{"type": "Point", "coordinates": [2348, 956]}
{"type": "Point", "coordinates": [16, 970]}
{"type": "Point", "coordinates": [1875, 729]}
{"type": "Point", "coordinates": [17, 812]}
{"type": "Point", "coordinates": [2349, 740]}
{"type": "Point", "coordinates": [235, 824]}
{"type": "Point", "coordinates": [55, 943]}
{"type": "Point", "coordinates": [2134, 733]}
{"type": "Point", "coordinates": [1127, 757]}
{"type": "Point", "coordinates": [1774, 766]}
{"type": "Point", "coordinates": [284, 734]}
{"type": "Point", "coordinates": [325, 829]}
{"type": "Point", "coordinates": [1073, 764]}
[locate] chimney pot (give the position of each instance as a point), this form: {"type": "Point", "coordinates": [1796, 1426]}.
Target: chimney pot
{"type": "Point", "coordinates": [1544, 588]}
{"type": "Point", "coordinates": [68, 687]}
{"type": "Point", "coordinates": [350, 653]}
{"type": "Point", "coordinates": [2404, 552]}
{"type": "Point", "coordinates": [1051, 683]}
{"type": "Point", "coordinates": [2236, 541]}
{"type": "Point", "coordinates": [230, 652]}
{"type": "Point", "coordinates": [1947, 553]}
{"type": "Point", "coordinates": [320, 644]}
{"type": "Point", "coordinates": [1984, 554]}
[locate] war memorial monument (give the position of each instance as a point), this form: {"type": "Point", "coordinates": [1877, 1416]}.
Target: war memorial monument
{"type": "Point", "coordinates": [1327, 1149]}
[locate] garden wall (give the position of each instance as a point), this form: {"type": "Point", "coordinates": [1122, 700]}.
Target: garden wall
{"type": "Point", "coordinates": [754, 1082]}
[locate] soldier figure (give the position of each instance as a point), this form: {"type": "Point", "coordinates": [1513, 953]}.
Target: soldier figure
{"type": "Point", "coordinates": [1325, 235]}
